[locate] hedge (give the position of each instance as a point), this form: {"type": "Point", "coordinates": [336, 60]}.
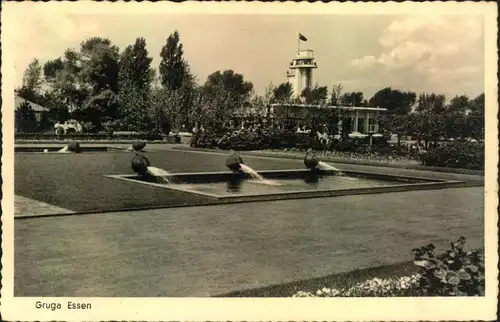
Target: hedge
{"type": "Point", "coordinates": [263, 139]}
{"type": "Point", "coordinates": [465, 155]}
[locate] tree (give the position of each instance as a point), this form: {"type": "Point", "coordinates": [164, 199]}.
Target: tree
{"type": "Point", "coordinates": [31, 89]}
{"type": "Point", "coordinates": [352, 99]}
{"type": "Point", "coordinates": [135, 66]}
{"type": "Point", "coordinates": [395, 101]}
{"type": "Point", "coordinates": [233, 82]}
{"type": "Point", "coordinates": [336, 94]}
{"type": "Point", "coordinates": [459, 105]}
{"type": "Point", "coordinates": [431, 103]}
{"type": "Point", "coordinates": [214, 109]}
{"type": "Point", "coordinates": [477, 105]}
{"type": "Point", "coordinates": [228, 90]}
{"type": "Point", "coordinates": [99, 72]}
{"type": "Point", "coordinates": [51, 68]}
{"type": "Point", "coordinates": [283, 92]}
{"type": "Point", "coordinates": [317, 95]}
{"type": "Point", "coordinates": [134, 83]}
{"type": "Point", "coordinates": [173, 68]}
{"type": "Point", "coordinates": [475, 120]}
{"type": "Point", "coordinates": [175, 75]}
{"type": "Point", "coordinates": [68, 90]}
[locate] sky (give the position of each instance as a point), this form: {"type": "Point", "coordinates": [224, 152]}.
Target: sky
{"type": "Point", "coordinates": [422, 53]}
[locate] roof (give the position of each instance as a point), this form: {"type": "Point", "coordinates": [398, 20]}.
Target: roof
{"type": "Point", "coordinates": [348, 108]}
{"type": "Point", "coordinates": [37, 108]}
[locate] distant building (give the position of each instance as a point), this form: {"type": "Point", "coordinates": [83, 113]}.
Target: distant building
{"type": "Point", "coordinates": [345, 119]}
{"type": "Point", "coordinates": [300, 71]}
{"type": "Point", "coordinates": [38, 109]}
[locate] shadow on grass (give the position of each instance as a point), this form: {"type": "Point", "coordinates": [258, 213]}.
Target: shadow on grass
{"type": "Point", "coordinates": [337, 281]}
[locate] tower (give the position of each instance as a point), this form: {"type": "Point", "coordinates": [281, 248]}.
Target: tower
{"type": "Point", "coordinates": [300, 73]}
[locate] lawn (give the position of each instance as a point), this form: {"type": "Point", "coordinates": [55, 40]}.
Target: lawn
{"type": "Point", "coordinates": [209, 251]}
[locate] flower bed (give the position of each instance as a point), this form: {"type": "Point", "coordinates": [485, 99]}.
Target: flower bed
{"type": "Point", "coordinates": [350, 156]}
{"type": "Point", "coordinates": [456, 272]}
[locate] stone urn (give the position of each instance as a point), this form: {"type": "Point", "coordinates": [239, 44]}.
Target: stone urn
{"type": "Point", "coordinates": [74, 147]}
{"type": "Point", "coordinates": [311, 160]}
{"type": "Point", "coordinates": [138, 146]}
{"type": "Point", "coordinates": [140, 164]}
{"type": "Point", "coordinates": [233, 162]}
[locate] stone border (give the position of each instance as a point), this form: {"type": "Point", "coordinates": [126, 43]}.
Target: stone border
{"type": "Point", "coordinates": [284, 155]}
{"type": "Point", "coordinates": [425, 184]}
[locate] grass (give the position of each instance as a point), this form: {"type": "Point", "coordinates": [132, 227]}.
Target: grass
{"type": "Point", "coordinates": [207, 251]}
{"type": "Point", "coordinates": [334, 281]}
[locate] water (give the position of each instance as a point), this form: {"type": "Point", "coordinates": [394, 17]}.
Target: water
{"type": "Point", "coordinates": [257, 177]}
{"type": "Point", "coordinates": [325, 166]}
{"type": "Point", "coordinates": [251, 187]}
{"type": "Point", "coordinates": [163, 175]}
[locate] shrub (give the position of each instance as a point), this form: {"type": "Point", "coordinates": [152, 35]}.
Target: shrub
{"type": "Point", "coordinates": [456, 272]}
{"type": "Point", "coordinates": [465, 155]}
{"type": "Point", "coordinates": [347, 145]}
{"type": "Point", "coordinates": [204, 139]}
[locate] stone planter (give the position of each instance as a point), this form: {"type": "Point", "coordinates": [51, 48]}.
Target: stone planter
{"type": "Point", "coordinates": [140, 164]}
{"type": "Point", "coordinates": [138, 146]}
{"type": "Point", "coordinates": [233, 162]}
{"type": "Point", "coordinates": [311, 160]}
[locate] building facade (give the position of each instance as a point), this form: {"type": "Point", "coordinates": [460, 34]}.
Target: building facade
{"type": "Point", "coordinates": [300, 71]}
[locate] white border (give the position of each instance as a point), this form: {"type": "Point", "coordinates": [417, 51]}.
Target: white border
{"type": "Point", "coordinates": [256, 309]}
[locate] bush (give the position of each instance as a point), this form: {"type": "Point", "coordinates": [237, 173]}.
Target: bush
{"type": "Point", "coordinates": [245, 140]}
{"type": "Point", "coordinates": [464, 155]}
{"type": "Point", "coordinates": [204, 139]}
{"type": "Point", "coordinates": [455, 273]}
{"type": "Point", "coordinates": [347, 145]}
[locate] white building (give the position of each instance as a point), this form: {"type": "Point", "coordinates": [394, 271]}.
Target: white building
{"type": "Point", "coordinates": [300, 72]}
{"type": "Point", "coordinates": [352, 119]}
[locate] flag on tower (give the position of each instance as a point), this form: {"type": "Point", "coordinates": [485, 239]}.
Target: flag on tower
{"type": "Point", "coordinates": [302, 37]}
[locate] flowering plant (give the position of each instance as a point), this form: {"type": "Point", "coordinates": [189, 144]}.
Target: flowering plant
{"type": "Point", "coordinates": [376, 287]}
{"type": "Point", "coordinates": [456, 272]}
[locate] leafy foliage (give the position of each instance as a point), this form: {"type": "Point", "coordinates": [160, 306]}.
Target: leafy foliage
{"type": "Point", "coordinates": [395, 101]}
{"type": "Point", "coordinates": [316, 95]}
{"type": "Point", "coordinates": [173, 67]}
{"type": "Point", "coordinates": [455, 273]}
{"type": "Point", "coordinates": [25, 118]}
{"type": "Point", "coordinates": [283, 92]}
{"type": "Point", "coordinates": [352, 99]}
{"type": "Point", "coordinates": [134, 79]}
{"type": "Point", "coordinates": [465, 155]}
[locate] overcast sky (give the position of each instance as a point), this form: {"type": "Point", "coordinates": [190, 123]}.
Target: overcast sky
{"type": "Point", "coordinates": [441, 54]}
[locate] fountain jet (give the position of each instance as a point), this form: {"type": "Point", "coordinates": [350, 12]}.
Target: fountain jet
{"type": "Point", "coordinates": [235, 163]}
{"type": "Point", "coordinates": [142, 166]}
